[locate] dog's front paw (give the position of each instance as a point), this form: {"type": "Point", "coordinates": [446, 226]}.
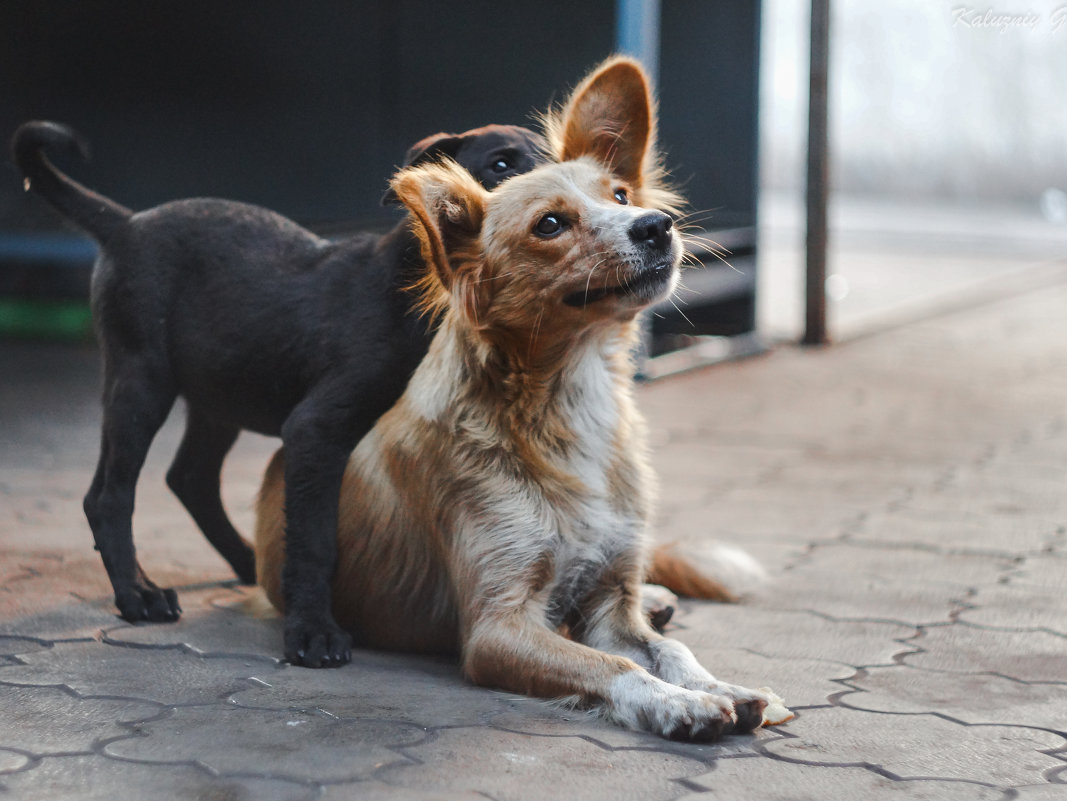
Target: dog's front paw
{"type": "Point", "coordinates": [144, 601]}
{"type": "Point", "coordinates": [316, 644]}
{"type": "Point", "coordinates": [643, 702]}
{"type": "Point", "coordinates": [748, 704]}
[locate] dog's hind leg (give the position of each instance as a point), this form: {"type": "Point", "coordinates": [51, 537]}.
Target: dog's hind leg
{"type": "Point", "coordinates": [137, 398]}
{"type": "Point", "coordinates": [194, 477]}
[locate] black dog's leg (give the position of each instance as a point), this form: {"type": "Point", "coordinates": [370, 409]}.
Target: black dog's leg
{"type": "Point", "coordinates": [315, 458]}
{"type": "Point", "coordinates": [194, 477]}
{"type": "Point", "coordinates": [137, 400]}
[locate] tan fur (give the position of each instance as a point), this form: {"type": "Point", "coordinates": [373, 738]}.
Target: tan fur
{"type": "Point", "coordinates": [505, 499]}
{"type": "Point", "coordinates": [677, 573]}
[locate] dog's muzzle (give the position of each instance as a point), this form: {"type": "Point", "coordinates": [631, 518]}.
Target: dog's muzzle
{"type": "Point", "coordinates": [645, 284]}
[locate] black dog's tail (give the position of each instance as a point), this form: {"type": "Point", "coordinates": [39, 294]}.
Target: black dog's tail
{"type": "Point", "coordinates": [95, 213]}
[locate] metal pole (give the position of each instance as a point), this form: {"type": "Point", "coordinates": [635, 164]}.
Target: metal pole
{"type": "Point", "coordinates": [637, 32]}
{"type": "Point", "coordinates": [818, 188]}
{"type": "Point", "coordinates": [637, 35]}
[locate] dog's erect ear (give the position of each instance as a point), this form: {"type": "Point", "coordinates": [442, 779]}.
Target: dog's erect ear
{"type": "Point", "coordinates": [432, 148]}
{"type": "Point", "coordinates": [610, 116]}
{"type": "Point", "coordinates": [447, 206]}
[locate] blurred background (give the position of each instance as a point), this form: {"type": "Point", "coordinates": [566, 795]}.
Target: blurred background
{"type": "Point", "coordinates": [948, 152]}
{"type": "Point", "coordinates": [948, 134]}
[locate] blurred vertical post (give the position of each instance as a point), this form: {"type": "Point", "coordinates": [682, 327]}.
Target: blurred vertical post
{"type": "Point", "coordinates": [818, 189]}
{"type": "Point", "coordinates": [637, 32]}
{"type": "Point", "coordinates": [637, 35]}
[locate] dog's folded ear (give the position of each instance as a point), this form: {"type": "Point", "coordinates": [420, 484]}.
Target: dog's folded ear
{"type": "Point", "coordinates": [611, 117]}
{"type": "Point", "coordinates": [447, 206]}
{"type": "Point", "coordinates": [432, 148]}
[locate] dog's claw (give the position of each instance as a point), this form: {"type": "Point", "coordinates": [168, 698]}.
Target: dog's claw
{"type": "Point", "coordinates": [323, 646]}
{"type": "Point", "coordinates": [697, 733]}
{"type": "Point", "coordinates": [148, 603]}
{"type": "Point", "coordinates": [749, 715]}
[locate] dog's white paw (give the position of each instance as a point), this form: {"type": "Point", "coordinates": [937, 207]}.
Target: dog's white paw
{"type": "Point", "coordinates": [640, 701]}
{"type": "Point", "coordinates": [748, 704]}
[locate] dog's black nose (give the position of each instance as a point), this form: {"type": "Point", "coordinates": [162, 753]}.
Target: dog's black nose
{"type": "Point", "coordinates": [652, 229]}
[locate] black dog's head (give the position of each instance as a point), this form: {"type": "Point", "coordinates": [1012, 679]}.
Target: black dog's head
{"type": "Point", "coordinates": [491, 154]}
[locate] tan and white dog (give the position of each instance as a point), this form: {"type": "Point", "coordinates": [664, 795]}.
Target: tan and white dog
{"type": "Point", "coordinates": [500, 510]}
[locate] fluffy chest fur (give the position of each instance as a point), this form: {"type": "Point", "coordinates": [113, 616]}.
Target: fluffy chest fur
{"type": "Point", "coordinates": [544, 466]}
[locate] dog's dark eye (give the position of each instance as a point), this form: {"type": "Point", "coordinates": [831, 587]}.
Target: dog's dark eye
{"type": "Point", "coordinates": [549, 226]}
{"type": "Point", "coordinates": [622, 197]}
{"type": "Point", "coordinates": [500, 165]}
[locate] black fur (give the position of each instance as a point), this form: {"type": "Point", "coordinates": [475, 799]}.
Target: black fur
{"type": "Point", "coordinates": [261, 325]}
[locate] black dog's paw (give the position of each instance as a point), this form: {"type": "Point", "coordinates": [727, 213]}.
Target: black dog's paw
{"type": "Point", "coordinates": [147, 602]}
{"type": "Point", "coordinates": [321, 645]}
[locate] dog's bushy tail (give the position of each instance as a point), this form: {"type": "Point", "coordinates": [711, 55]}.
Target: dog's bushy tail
{"type": "Point", "coordinates": [88, 210]}
{"type": "Point", "coordinates": [711, 571]}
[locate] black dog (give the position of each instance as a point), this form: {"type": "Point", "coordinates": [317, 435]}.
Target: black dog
{"type": "Point", "coordinates": [260, 325]}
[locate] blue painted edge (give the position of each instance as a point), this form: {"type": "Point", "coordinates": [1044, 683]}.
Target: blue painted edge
{"type": "Point", "coordinates": [47, 248]}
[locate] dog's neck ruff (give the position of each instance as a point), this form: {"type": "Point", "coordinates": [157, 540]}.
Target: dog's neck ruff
{"type": "Point", "coordinates": [586, 377]}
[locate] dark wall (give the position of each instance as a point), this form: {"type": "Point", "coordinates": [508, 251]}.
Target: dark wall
{"type": "Point", "coordinates": [302, 107]}
{"type": "Point", "coordinates": [308, 107]}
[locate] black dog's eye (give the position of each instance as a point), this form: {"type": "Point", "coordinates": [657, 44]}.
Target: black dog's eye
{"type": "Point", "coordinates": [622, 197]}
{"type": "Point", "coordinates": [549, 226]}
{"type": "Point", "coordinates": [500, 165]}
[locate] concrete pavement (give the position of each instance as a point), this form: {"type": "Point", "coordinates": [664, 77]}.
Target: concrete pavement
{"type": "Point", "coordinates": [906, 491]}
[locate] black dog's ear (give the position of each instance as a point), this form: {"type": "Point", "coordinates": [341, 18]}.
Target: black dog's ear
{"type": "Point", "coordinates": [432, 148]}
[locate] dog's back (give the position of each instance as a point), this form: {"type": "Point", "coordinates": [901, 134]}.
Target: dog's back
{"type": "Point", "coordinates": [253, 310]}
{"type": "Point", "coordinates": [260, 325]}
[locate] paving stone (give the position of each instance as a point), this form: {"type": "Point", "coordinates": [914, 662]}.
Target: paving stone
{"type": "Point", "coordinates": [418, 690]}
{"type": "Point", "coordinates": [166, 677]}
{"type": "Point", "coordinates": [11, 761]}
{"type": "Point", "coordinates": [215, 621]}
{"type": "Point", "coordinates": [97, 778]}
{"type": "Point", "coordinates": [1043, 572]}
{"type": "Point", "coordinates": [378, 791]}
{"type": "Point", "coordinates": [1002, 489]}
{"type": "Point", "coordinates": [1033, 656]}
{"type": "Point", "coordinates": [958, 529]}
{"type": "Point", "coordinates": [774, 780]}
{"type": "Point", "coordinates": [34, 583]}
{"type": "Point", "coordinates": [972, 698]}
{"type": "Point", "coordinates": [1042, 792]}
{"type": "Point", "coordinates": [918, 746]}
{"type": "Point", "coordinates": [49, 720]}
{"type": "Point", "coordinates": [789, 634]}
{"type": "Point", "coordinates": [712, 467]}
{"type": "Point", "coordinates": [893, 584]}
{"type": "Point", "coordinates": [49, 617]}
{"type": "Point", "coordinates": [505, 766]}
{"type": "Point", "coordinates": [800, 682]}
{"type": "Point", "coordinates": [285, 744]}
{"type": "Point", "coordinates": [745, 517]}
{"type": "Point", "coordinates": [13, 646]}
{"type": "Point", "coordinates": [1019, 606]}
